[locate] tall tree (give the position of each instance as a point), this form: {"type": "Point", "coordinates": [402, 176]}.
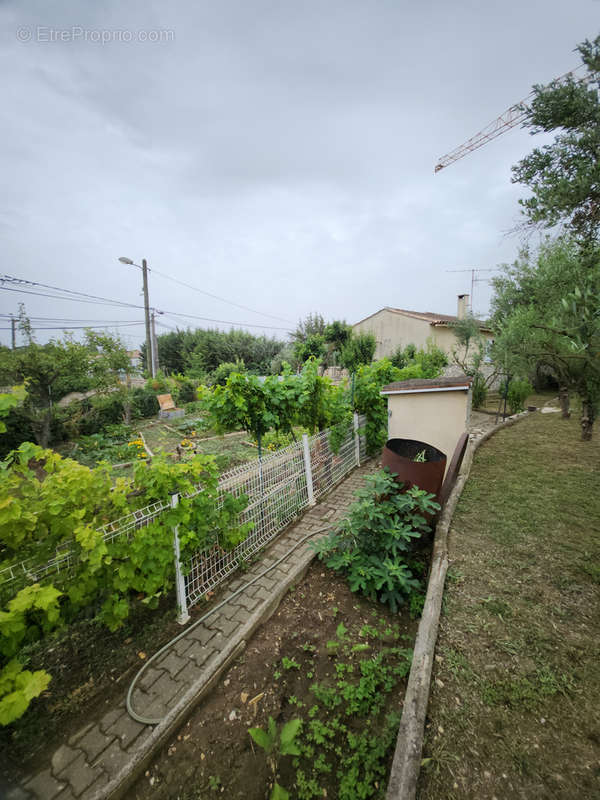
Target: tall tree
{"type": "Point", "coordinates": [564, 177]}
{"type": "Point", "coordinates": [52, 370]}
{"type": "Point", "coordinates": [545, 311]}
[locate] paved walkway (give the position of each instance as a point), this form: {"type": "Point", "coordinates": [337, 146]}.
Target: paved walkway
{"type": "Point", "coordinates": [105, 756]}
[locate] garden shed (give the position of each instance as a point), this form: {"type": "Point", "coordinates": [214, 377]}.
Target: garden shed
{"type": "Point", "coordinates": [435, 411]}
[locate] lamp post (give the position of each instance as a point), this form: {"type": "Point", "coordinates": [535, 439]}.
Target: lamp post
{"type": "Point", "coordinates": [149, 348]}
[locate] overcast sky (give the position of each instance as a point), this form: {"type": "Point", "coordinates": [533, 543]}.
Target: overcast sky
{"type": "Point", "coordinates": [277, 154]}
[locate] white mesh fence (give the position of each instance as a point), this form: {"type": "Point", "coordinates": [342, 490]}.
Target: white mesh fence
{"type": "Point", "coordinates": [277, 491]}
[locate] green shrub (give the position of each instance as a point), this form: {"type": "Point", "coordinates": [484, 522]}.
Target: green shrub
{"type": "Point", "coordinates": [519, 390]}
{"type": "Point", "coordinates": [219, 376]}
{"type": "Point", "coordinates": [144, 403]}
{"type": "Point", "coordinates": [369, 544]}
{"type": "Point", "coordinates": [479, 390]}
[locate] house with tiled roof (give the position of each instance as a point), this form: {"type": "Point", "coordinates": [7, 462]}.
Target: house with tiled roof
{"type": "Point", "coordinates": [397, 327]}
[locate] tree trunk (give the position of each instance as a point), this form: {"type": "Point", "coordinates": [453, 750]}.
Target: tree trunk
{"type": "Point", "coordinates": [42, 430]}
{"type": "Point", "coordinates": [127, 402]}
{"type": "Point", "coordinates": [587, 420]}
{"type": "Point", "coordinates": [563, 399]}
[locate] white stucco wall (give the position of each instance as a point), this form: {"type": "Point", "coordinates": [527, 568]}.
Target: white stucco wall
{"type": "Point", "coordinates": [393, 329]}
{"type": "Point", "coordinates": [438, 418]}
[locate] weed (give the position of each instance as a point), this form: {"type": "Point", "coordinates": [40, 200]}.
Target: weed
{"type": "Point", "coordinates": [214, 782]}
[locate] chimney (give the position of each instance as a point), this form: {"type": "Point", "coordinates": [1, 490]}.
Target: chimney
{"type": "Point", "coordinates": [463, 306]}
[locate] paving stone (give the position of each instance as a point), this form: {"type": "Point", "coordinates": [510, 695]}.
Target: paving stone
{"type": "Point", "coordinates": [229, 626]}
{"type": "Point", "coordinates": [165, 687]}
{"type": "Point", "coordinates": [171, 662]}
{"type": "Point", "coordinates": [249, 603]}
{"type": "Point", "coordinates": [127, 730]}
{"type": "Point", "coordinates": [80, 733]}
{"type": "Point", "coordinates": [109, 719]}
{"type": "Point", "coordinates": [202, 634]}
{"type": "Point", "coordinates": [66, 794]}
{"type": "Point", "coordinates": [147, 681]}
{"type": "Point", "coordinates": [45, 786]}
{"type": "Point", "coordinates": [183, 646]}
{"type": "Point", "coordinates": [94, 742]}
{"type": "Point", "coordinates": [63, 757]}
{"type": "Point", "coordinates": [112, 760]}
{"type": "Point", "coordinates": [80, 775]}
{"type": "Point", "coordinates": [199, 653]}
{"type": "Point", "coordinates": [262, 593]}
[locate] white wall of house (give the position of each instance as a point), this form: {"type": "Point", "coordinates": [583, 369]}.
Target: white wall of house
{"type": "Point", "coordinates": [435, 417]}
{"type": "Point", "coordinates": [393, 329]}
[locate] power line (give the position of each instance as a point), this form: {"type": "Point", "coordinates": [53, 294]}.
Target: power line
{"type": "Point", "coordinates": [65, 319]}
{"type": "Point", "coordinates": [80, 327]}
{"type": "Point", "coordinates": [11, 279]}
{"type": "Point", "coordinates": [80, 297]}
{"type": "Point", "coordinates": [215, 296]}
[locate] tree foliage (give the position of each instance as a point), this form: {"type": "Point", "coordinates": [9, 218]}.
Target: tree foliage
{"type": "Point", "coordinates": [199, 352]}
{"type": "Point", "coordinates": [357, 350]}
{"type": "Point", "coordinates": [52, 370]}
{"type": "Point", "coordinates": [564, 177]}
{"type": "Point", "coordinates": [545, 311]}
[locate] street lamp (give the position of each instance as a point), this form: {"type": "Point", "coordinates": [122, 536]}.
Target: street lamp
{"type": "Point", "coordinates": [149, 351]}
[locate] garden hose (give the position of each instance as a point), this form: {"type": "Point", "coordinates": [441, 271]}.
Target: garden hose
{"type": "Point", "coordinates": [146, 720]}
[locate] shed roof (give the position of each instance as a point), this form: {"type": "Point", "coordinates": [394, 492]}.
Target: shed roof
{"type": "Point", "coordinates": [416, 385]}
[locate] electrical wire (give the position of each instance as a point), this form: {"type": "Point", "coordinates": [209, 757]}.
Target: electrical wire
{"type": "Point", "coordinates": [216, 296]}
{"type": "Point", "coordinates": [95, 300]}
{"type": "Point", "coordinates": [155, 721]}
{"type": "Point", "coordinates": [81, 327]}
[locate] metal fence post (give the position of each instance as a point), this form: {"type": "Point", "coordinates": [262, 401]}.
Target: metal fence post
{"type": "Point", "coordinates": [183, 616]}
{"type": "Point", "coordinates": [308, 470]}
{"type": "Point", "coordinates": [356, 440]}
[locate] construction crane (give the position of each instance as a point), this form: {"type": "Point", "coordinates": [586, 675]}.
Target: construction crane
{"type": "Point", "coordinates": [511, 117]}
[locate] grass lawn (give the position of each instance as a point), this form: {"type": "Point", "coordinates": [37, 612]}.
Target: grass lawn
{"type": "Point", "coordinates": [515, 704]}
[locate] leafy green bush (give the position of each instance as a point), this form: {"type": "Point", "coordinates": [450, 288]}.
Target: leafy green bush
{"type": "Point", "coordinates": [369, 544]}
{"type": "Point", "coordinates": [479, 390]}
{"type": "Point", "coordinates": [431, 361]}
{"type": "Point", "coordinates": [144, 403]}
{"type": "Point", "coordinates": [219, 376]}
{"type": "Point", "coordinates": [48, 502]}
{"type": "Point", "coordinates": [519, 390]}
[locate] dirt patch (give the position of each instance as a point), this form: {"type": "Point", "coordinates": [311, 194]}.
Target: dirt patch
{"type": "Point", "coordinates": [329, 657]}
{"type": "Point", "coordinates": [90, 668]}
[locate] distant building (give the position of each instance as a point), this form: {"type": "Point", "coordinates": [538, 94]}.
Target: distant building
{"type": "Point", "coordinates": [135, 358]}
{"type": "Point", "coordinates": [397, 327]}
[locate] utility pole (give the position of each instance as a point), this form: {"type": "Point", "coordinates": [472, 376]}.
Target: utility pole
{"type": "Point", "coordinates": [149, 351]}
{"type": "Point", "coordinates": [13, 331]}
{"type": "Point", "coordinates": [154, 346]}
{"type": "Point", "coordinates": [151, 362]}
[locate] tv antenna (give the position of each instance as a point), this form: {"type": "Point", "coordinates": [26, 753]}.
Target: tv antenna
{"type": "Point", "coordinates": [474, 280]}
